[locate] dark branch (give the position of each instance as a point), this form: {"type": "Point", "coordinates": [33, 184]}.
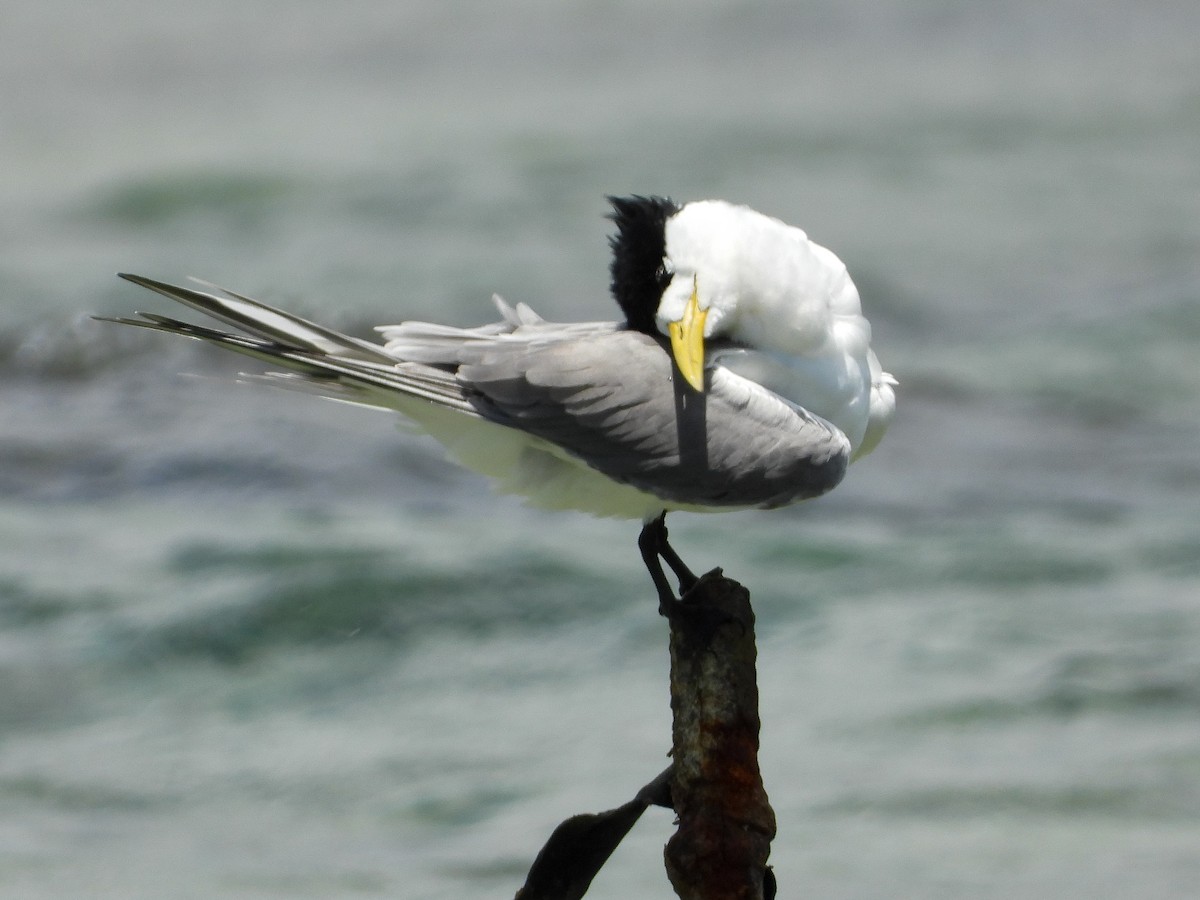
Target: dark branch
{"type": "Point", "coordinates": [577, 848]}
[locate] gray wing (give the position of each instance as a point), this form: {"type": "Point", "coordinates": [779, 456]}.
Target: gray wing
{"type": "Point", "coordinates": [265, 323]}
{"type": "Point", "coordinates": [612, 401]}
{"type": "Point", "coordinates": [605, 395]}
{"type": "Point", "coordinates": [316, 358]}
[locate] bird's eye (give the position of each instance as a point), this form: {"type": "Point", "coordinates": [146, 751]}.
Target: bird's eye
{"type": "Point", "coordinates": [663, 275]}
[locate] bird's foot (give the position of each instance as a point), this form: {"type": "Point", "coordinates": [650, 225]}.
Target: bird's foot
{"type": "Point", "coordinates": [654, 546]}
{"type": "Point", "coordinates": [696, 606]}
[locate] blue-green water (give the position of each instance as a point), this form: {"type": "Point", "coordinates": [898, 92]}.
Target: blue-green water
{"type": "Point", "coordinates": [257, 645]}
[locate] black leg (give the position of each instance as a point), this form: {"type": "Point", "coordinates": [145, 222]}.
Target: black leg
{"type": "Point", "coordinates": [649, 542]}
{"type": "Point", "coordinates": [687, 580]}
{"type": "Point", "coordinates": [653, 544]}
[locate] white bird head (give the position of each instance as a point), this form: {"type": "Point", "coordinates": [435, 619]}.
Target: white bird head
{"type": "Point", "coordinates": [727, 283]}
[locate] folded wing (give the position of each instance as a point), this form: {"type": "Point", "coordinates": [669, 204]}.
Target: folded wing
{"type": "Point", "coordinates": [589, 394]}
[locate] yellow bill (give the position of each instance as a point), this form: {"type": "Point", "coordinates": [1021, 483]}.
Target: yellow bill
{"type": "Point", "coordinates": [687, 341]}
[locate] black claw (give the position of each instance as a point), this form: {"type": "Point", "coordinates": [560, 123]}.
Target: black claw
{"type": "Point", "coordinates": [699, 613]}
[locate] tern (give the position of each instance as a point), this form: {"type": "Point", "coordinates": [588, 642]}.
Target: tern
{"type": "Point", "coordinates": [741, 377]}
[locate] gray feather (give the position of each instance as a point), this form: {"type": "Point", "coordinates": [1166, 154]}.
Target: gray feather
{"type": "Point", "coordinates": [613, 402]}
{"type": "Point", "coordinates": [263, 321]}
{"type": "Point", "coordinates": [605, 395]}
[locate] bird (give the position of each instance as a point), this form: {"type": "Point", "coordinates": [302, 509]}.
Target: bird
{"type": "Point", "coordinates": [741, 375]}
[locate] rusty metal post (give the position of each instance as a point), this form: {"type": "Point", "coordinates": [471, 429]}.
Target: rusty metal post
{"type": "Point", "coordinates": [726, 823]}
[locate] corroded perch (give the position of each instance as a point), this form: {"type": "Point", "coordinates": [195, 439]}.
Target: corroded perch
{"type": "Point", "coordinates": [725, 821]}
{"type": "Point", "coordinates": [720, 849]}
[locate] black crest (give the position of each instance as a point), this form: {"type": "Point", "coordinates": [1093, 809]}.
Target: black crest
{"type": "Point", "coordinates": [639, 275]}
